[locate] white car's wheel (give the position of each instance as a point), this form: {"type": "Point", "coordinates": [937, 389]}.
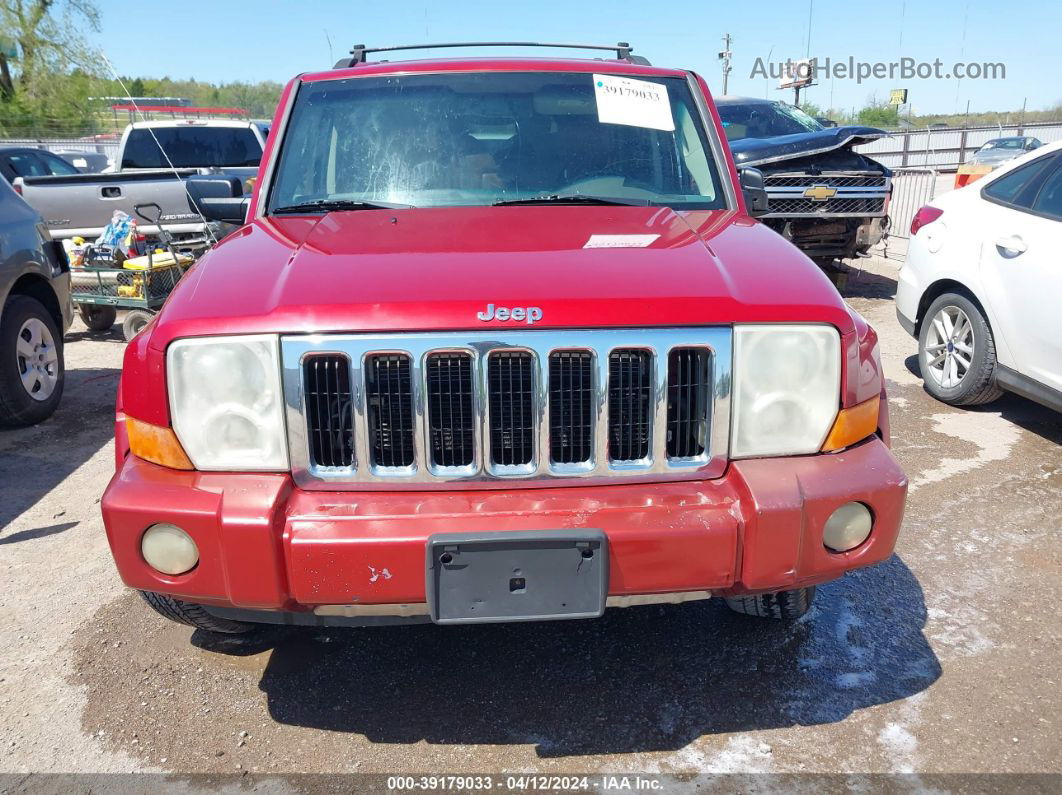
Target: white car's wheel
{"type": "Point", "coordinates": [956, 352]}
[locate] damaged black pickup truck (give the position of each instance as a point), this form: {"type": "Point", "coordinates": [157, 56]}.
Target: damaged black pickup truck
{"type": "Point", "coordinates": [829, 200]}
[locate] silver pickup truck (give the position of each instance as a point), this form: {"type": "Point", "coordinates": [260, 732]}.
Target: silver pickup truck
{"type": "Point", "coordinates": [154, 160]}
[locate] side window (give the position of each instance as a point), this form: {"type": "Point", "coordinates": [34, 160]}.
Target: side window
{"type": "Point", "coordinates": [1049, 199]}
{"type": "Point", "coordinates": [56, 165]}
{"type": "Point", "coordinates": [26, 164]}
{"type": "Point", "coordinates": [1019, 186]}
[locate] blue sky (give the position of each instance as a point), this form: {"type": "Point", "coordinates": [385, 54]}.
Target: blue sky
{"type": "Point", "coordinates": [228, 40]}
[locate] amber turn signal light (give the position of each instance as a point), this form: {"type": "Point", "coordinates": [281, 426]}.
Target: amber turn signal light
{"type": "Point", "coordinates": [157, 445]}
{"type": "Point", "coordinates": [853, 425]}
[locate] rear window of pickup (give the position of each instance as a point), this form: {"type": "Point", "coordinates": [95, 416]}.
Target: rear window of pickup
{"type": "Point", "coordinates": [191, 147]}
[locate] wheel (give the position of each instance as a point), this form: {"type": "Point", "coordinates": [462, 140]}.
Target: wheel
{"type": "Point", "coordinates": [782, 605]}
{"type": "Point", "coordinates": [97, 318]}
{"type": "Point", "coordinates": [193, 615]}
{"type": "Point", "coordinates": [956, 352]}
{"type": "Point", "coordinates": [135, 320]}
{"type": "Point", "coordinates": [31, 362]}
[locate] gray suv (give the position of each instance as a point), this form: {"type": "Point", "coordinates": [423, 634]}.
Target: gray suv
{"type": "Point", "coordinates": [35, 312]}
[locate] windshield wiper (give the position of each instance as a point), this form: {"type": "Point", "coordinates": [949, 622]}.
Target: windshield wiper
{"type": "Point", "coordinates": [328, 205]}
{"type": "Point", "coordinates": [576, 198]}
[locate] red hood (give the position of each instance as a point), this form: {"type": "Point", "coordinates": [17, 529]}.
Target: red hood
{"type": "Point", "coordinates": [435, 269]}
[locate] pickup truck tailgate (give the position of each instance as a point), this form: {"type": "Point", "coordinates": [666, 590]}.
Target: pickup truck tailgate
{"type": "Point", "coordinates": [83, 204]}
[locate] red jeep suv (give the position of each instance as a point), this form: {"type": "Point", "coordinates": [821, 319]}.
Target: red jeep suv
{"type": "Point", "coordinates": [498, 340]}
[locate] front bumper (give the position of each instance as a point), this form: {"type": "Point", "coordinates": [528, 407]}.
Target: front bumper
{"type": "Point", "coordinates": [266, 545]}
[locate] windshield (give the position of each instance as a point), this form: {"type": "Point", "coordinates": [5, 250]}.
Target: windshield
{"type": "Point", "coordinates": [1004, 143]}
{"type": "Point", "coordinates": [764, 120]}
{"type": "Point", "coordinates": [192, 147]}
{"type": "Point", "coordinates": [481, 138]}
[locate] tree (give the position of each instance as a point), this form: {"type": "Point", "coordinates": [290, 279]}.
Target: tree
{"type": "Point", "coordinates": [879, 114]}
{"type": "Point", "coordinates": [813, 110]}
{"type": "Point", "coordinates": [45, 37]}
{"type": "Point", "coordinates": [47, 70]}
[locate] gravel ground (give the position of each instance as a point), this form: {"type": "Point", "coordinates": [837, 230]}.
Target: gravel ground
{"type": "Point", "coordinates": [934, 662]}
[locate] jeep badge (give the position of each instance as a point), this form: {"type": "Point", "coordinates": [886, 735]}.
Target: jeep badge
{"type": "Point", "coordinates": [529, 314]}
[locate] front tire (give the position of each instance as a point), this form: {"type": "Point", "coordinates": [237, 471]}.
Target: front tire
{"type": "Point", "coordinates": [31, 362]}
{"type": "Point", "coordinates": [957, 353]}
{"type": "Point", "coordinates": [193, 615]}
{"type": "Point", "coordinates": [780, 605]}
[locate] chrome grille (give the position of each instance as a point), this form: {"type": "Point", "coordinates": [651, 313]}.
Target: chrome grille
{"type": "Point", "coordinates": [389, 395]}
{"type": "Point", "coordinates": [510, 391]}
{"type": "Point", "coordinates": [451, 413]}
{"type": "Point", "coordinates": [856, 194]}
{"type": "Point", "coordinates": [630, 409]}
{"type": "Point", "coordinates": [571, 406]}
{"type": "Point", "coordinates": [688, 392]}
{"type": "Point", "coordinates": [833, 180]}
{"type": "Point", "coordinates": [502, 409]}
{"type": "Point", "coordinates": [829, 207]}
{"type": "Point", "coordinates": [329, 410]}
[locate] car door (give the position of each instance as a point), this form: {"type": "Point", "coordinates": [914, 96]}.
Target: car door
{"type": "Point", "coordinates": [1021, 265]}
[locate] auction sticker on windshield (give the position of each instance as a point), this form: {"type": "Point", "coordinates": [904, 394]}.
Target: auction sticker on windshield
{"type": "Point", "coordinates": [636, 103]}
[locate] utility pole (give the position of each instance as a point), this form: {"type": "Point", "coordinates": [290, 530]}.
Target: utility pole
{"type": "Point", "coordinates": [807, 56]}
{"type": "Point", "coordinates": [725, 56]}
{"type": "Point", "coordinates": [811, 8]}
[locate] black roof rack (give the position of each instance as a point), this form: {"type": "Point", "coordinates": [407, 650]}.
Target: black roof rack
{"type": "Point", "coordinates": [623, 50]}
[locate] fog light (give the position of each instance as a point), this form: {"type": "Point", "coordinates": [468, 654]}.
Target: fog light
{"type": "Point", "coordinates": [167, 548]}
{"type": "Point", "coordinates": [847, 527]}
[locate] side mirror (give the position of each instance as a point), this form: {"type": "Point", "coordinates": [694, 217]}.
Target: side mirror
{"type": "Point", "coordinates": [218, 198]}
{"type": "Point", "coordinates": [751, 180]}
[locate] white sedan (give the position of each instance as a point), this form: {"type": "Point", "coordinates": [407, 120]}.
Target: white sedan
{"type": "Point", "coordinates": [982, 285]}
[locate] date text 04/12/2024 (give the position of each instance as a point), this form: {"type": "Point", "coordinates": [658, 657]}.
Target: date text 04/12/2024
{"type": "Point", "coordinates": [526, 782]}
{"type": "Point", "coordinates": [521, 783]}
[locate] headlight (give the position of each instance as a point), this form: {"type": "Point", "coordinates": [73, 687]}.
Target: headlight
{"type": "Point", "coordinates": [226, 402]}
{"type": "Point", "coordinates": [787, 387]}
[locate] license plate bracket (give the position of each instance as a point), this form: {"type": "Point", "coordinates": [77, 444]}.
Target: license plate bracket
{"type": "Point", "coordinates": [537, 575]}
